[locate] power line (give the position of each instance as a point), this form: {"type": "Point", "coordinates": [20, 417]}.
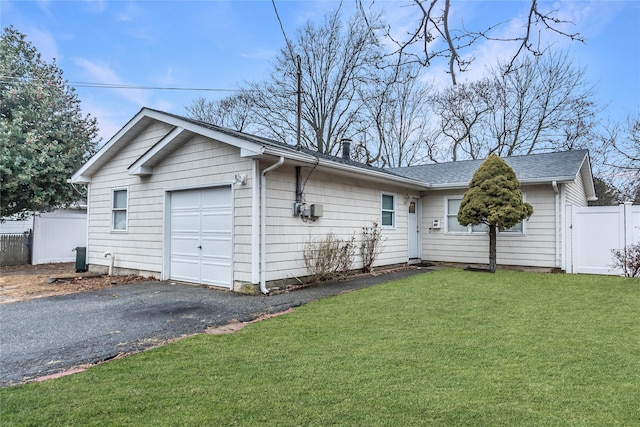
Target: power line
{"type": "Point", "coordinates": [9, 80]}
{"type": "Point", "coordinates": [137, 87]}
{"type": "Point", "coordinates": [284, 34]}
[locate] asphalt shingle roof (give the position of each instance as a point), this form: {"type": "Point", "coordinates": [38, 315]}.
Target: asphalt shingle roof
{"type": "Point", "coordinates": [530, 168]}
{"type": "Point", "coordinates": [533, 167]}
{"type": "Point", "coordinates": [281, 145]}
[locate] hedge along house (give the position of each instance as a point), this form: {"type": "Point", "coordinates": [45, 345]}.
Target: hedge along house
{"type": "Point", "coordinates": [182, 200]}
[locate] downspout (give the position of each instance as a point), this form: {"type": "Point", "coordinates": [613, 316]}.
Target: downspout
{"type": "Point", "coordinates": [88, 220]}
{"type": "Point", "coordinates": [255, 222]}
{"type": "Point", "coordinates": [263, 225]}
{"type": "Point", "coordinates": [554, 184]}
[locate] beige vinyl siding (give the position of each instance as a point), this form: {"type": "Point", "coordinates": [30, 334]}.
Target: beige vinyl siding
{"type": "Point", "coordinates": [575, 192]}
{"type": "Point", "coordinates": [348, 205]}
{"type": "Point", "coordinates": [535, 248]}
{"type": "Point", "coordinates": [200, 162]}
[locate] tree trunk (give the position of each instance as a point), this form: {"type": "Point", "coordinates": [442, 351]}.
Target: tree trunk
{"type": "Point", "coordinates": [492, 248]}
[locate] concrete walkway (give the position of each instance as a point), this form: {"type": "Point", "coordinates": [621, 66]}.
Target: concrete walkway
{"type": "Point", "coordinates": [47, 336]}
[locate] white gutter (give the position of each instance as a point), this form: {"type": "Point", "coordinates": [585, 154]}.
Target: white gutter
{"type": "Point", "coordinates": [554, 184]}
{"type": "Point", "coordinates": [336, 165]}
{"type": "Point", "coordinates": [255, 222]}
{"type": "Point", "coordinates": [263, 225]}
{"type": "Point", "coordinates": [463, 185]}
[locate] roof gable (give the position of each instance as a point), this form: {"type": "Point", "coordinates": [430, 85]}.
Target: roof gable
{"type": "Point", "coordinates": [183, 130]}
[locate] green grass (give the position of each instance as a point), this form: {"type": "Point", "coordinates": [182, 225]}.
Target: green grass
{"type": "Point", "coordinates": [446, 348]}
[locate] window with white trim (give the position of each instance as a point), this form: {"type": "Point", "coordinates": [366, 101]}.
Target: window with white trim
{"type": "Point", "coordinates": [388, 211]}
{"type": "Point", "coordinates": [119, 208]}
{"type": "Point", "coordinates": [452, 206]}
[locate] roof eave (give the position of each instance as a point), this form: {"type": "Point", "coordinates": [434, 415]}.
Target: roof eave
{"type": "Point", "coordinates": [534, 181]}
{"type": "Point", "coordinates": [587, 179]}
{"type": "Point", "coordinates": [379, 176]}
{"type": "Point", "coordinates": [132, 129]}
{"type": "Point", "coordinates": [83, 175]}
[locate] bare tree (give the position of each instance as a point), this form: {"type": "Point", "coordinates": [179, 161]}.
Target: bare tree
{"type": "Point", "coordinates": [459, 111]}
{"type": "Point", "coordinates": [434, 35]}
{"type": "Point", "coordinates": [542, 104]}
{"type": "Point", "coordinates": [346, 92]}
{"type": "Point", "coordinates": [397, 107]}
{"type": "Point", "coordinates": [335, 60]}
{"type": "Point", "coordinates": [234, 112]}
{"type": "Point", "coordinates": [619, 150]}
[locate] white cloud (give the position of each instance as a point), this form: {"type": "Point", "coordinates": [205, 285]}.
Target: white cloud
{"type": "Point", "coordinates": [590, 18]}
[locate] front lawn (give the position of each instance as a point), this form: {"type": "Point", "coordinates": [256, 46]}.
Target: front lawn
{"type": "Point", "coordinates": [447, 348]}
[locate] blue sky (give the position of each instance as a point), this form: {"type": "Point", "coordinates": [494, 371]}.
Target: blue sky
{"type": "Point", "coordinates": [221, 44]}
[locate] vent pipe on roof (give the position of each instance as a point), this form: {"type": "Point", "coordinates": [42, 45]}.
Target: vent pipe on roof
{"type": "Point", "coordinates": [346, 148]}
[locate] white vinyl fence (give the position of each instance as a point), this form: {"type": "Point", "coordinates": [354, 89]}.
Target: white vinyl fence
{"type": "Point", "coordinates": [593, 232]}
{"type": "Point", "coordinates": [56, 235]}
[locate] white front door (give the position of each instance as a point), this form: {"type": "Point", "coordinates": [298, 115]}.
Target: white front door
{"type": "Point", "coordinates": [413, 229]}
{"type": "Point", "coordinates": [201, 236]}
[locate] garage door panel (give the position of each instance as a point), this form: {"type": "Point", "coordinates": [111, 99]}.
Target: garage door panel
{"type": "Point", "coordinates": [216, 220]}
{"type": "Point", "coordinates": [185, 222]}
{"type": "Point", "coordinates": [216, 197]}
{"type": "Point", "coordinates": [185, 200]}
{"type": "Point", "coordinates": [216, 247]}
{"type": "Point", "coordinates": [186, 269]}
{"type": "Point", "coordinates": [216, 273]}
{"type": "Point", "coordinates": [201, 236]}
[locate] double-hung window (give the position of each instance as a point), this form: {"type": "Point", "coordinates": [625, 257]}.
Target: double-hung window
{"type": "Point", "coordinates": [119, 209]}
{"type": "Point", "coordinates": [388, 212]}
{"type": "Point", "coordinates": [453, 226]}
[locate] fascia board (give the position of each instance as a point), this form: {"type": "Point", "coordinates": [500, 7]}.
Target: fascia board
{"type": "Point", "coordinates": [461, 185]}
{"type": "Point", "coordinates": [587, 179]}
{"type": "Point", "coordinates": [245, 152]}
{"type": "Point", "coordinates": [548, 180]}
{"type": "Point", "coordinates": [144, 165]}
{"type": "Point", "coordinates": [375, 175]}
{"type": "Point", "coordinates": [81, 176]}
{"type": "Point", "coordinates": [204, 131]}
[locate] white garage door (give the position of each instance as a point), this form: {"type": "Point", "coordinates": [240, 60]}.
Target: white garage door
{"type": "Point", "coordinates": [201, 246]}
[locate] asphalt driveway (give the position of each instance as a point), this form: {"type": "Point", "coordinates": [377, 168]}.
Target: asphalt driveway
{"type": "Point", "coordinates": [51, 335]}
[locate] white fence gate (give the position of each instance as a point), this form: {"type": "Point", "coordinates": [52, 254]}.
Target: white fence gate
{"type": "Point", "coordinates": [56, 234]}
{"type": "Point", "coordinates": [593, 232]}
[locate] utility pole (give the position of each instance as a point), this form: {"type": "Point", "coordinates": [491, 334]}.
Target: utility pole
{"type": "Point", "coordinates": [298, 143]}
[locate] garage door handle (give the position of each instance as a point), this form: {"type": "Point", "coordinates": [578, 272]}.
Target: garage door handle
{"type": "Point", "coordinates": [200, 247]}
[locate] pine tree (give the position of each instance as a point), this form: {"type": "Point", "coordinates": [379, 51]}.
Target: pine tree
{"type": "Point", "coordinates": [494, 198]}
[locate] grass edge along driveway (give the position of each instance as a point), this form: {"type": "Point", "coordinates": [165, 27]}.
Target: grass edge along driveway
{"type": "Point", "coordinates": [444, 348]}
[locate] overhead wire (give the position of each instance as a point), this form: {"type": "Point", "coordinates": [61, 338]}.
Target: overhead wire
{"type": "Point", "coordinates": [10, 79]}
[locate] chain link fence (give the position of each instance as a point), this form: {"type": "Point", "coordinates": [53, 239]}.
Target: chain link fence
{"type": "Point", "coordinates": [15, 249]}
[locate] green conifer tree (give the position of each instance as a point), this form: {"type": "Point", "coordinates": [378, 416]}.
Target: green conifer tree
{"type": "Point", "coordinates": [494, 198]}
